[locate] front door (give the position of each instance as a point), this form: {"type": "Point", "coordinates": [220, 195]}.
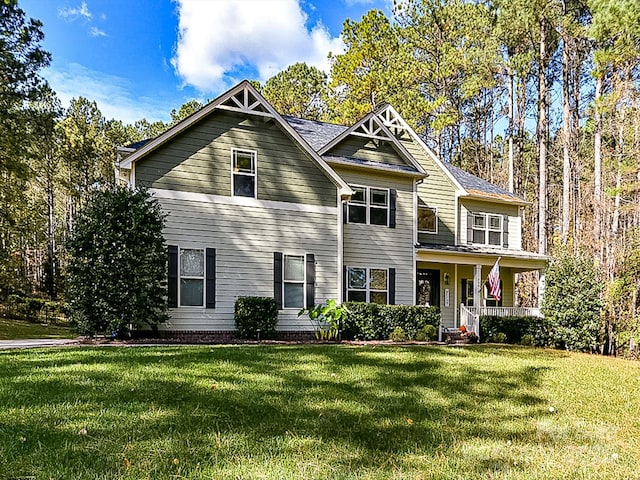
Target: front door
{"type": "Point", "coordinates": [428, 288]}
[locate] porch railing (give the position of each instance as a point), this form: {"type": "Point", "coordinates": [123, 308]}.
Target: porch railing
{"type": "Point", "coordinates": [470, 319]}
{"type": "Point", "coordinates": [470, 316]}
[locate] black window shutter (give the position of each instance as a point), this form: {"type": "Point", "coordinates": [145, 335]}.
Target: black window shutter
{"type": "Point", "coordinates": [505, 231]}
{"type": "Point", "coordinates": [277, 278]}
{"type": "Point", "coordinates": [344, 283]}
{"type": "Point", "coordinates": [211, 278]}
{"type": "Point", "coordinates": [469, 228]}
{"type": "Point", "coordinates": [464, 291]}
{"type": "Point", "coordinates": [345, 212]}
{"type": "Point", "coordinates": [393, 195]}
{"type": "Point", "coordinates": [392, 286]}
{"type": "Point", "coordinates": [172, 277]}
{"type": "Point", "coordinates": [310, 284]}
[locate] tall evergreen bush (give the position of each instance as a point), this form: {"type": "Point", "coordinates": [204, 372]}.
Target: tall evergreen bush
{"type": "Point", "coordinates": [572, 303]}
{"type": "Point", "coordinates": [118, 263]}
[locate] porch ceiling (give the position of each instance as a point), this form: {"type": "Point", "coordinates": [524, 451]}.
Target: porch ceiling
{"type": "Point", "coordinates": [474, 255]}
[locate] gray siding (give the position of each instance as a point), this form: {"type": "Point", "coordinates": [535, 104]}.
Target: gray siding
{"type": "Point", "coordinates": [380, 246]}
{"type": "Point", "coordinates": [437, 191]}
{"type": "Point", "coordinates": [199, 160]}
{"type": "Point", "coordinates": [245, 239]}
{"type": "Point", "coordinates": [476, 206]}
{"type": "Point", "coordinates": [366, 149]}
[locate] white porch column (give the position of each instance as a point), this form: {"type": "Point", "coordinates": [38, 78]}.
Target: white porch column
{"type": "Point", "coordinates": [477, 287]}
{"type": "Point", "coordinates": [542, 281]}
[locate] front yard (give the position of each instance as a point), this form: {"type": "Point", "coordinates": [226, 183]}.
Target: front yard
{"type": "Point", "coordinates": [313, 411]}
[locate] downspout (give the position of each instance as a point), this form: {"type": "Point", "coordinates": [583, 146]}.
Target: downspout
{"type": "Point", "coordinates": [340, 233]}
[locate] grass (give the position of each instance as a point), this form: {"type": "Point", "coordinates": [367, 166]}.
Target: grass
{"type": "Point", "coordinates": [20, 330]}
{"type": "Point", "coordinates": [317, 412]}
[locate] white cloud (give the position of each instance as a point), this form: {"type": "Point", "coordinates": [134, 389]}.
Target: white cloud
{"type": "Point", "coordinates": [113, 94]}
{"type": "Point", "coordinates": [216, 40]}
{"type": "Point", "coordinates": [73, 13]}
{"type": "Point", "coordinates": [96, 32]}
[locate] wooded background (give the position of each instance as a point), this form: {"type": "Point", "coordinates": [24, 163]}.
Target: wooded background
{"type": "Point", "coordinates": [538, 96]}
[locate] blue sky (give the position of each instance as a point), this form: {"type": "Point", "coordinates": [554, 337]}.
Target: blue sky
{"type": "Point", "coordinates": [142, 58]}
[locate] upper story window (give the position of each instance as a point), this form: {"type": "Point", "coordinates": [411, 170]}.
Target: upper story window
{"type": "Point", "coordinates": [486, 228]}
{"type": "Point", "coordinates": [243, 170]}
{"type": "Point", "coordinates": [369, 205]}
{"type": "Point", "coordinates": [427, 219]}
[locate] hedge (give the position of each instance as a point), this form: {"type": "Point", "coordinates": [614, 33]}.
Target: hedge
{"type": "Point", "coordinates": [515, 328]}
{"type": "Point", "coordinates": [33, 309]}
{"type": "Point", "coordinates": [370, 321]}
{"type": "Point", "coordinates": [253, 314]}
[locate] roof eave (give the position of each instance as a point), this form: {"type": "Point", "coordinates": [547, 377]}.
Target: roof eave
{"type": "Point", "coordinates": [495, 199]}
{"type": "Point", "coordinates": [376, 168]}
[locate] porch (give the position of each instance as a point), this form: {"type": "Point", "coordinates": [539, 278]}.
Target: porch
{"type": "Point", "coordinates": [470, 316]}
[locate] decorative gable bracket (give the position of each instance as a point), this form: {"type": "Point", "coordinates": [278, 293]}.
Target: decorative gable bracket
{"type": "Point", "coordinates": [246, 102]}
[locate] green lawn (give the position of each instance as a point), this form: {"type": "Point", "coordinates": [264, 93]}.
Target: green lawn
{"type": "Point", "coordinates": [20, 330]}
{"type": "Point", "coordinates": [325, 412]}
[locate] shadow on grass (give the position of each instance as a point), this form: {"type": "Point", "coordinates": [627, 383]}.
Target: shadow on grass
{"type": "Point", "coordinates": [358, 406]}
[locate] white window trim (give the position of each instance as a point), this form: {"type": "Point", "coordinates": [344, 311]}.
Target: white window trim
{"type": "Point", "coordinates": [488, 229]}
{"type": "Point", "coordinates": [254, 154]}
{"type": "Point", "coordinates": [367, 288]}
{"type": "Point", "coordinates": [304, 281]}
{"type": "Point", "coordinates": [368, 206]}
{"type": "Point", "coordinates": [435, 209]}
{"type": "Point", "coordinates": [203, 278]}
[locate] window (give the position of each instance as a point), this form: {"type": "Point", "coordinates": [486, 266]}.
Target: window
{"type": "Point", "coordinates": [369, 205]}
{"type": "Point", "coordinates": [293, 281]}
{"type": "Point", "coordinates": [191, 277]}
{"type": "Point", "coordinates": [243, 173]}
{"type": "Point", "coordinates": [367, 285]}
{"type": "Point", "coordinates": [487, 229]}
{"type": "Point", "coordinates": [427, 219]}
{"type": "Point", "coordinates": [467, 292]}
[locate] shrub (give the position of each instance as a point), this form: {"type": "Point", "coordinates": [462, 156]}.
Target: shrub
{"type": "Point", "coordinates": [527, 339]}
{"type": "Point", "coordinates": [117, 272]}
{"type": "Point", "coordinates": [499, 337]}
{"type": "Point", "coordinates": [472, 337]}
{"type": "Point", "coordinates": [514, 328]}
{"type": "Point", "coordinates": [572, 302]}
{"type": "Point", "coordinates": [427, 333]}
{"type": "Point", "coordinates": [33, 309]}
{"type": "Point", "coordinates": [398, 335]}
{"type": "Point", "coordinates": [370, 321]}
{"type": "Point", "coordinates": [253, 314]}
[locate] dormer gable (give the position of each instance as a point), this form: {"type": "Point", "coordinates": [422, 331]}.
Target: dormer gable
{"type": "Point", "coordinates": [372, 141]}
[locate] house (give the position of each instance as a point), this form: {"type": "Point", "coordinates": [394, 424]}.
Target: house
{"type": "Point", "coordinates": [269, 205]}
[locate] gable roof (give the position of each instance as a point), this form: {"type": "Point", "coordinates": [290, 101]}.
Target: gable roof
{"type": "Point", "coordinates": [246, 99]}
{"type": "Point", "coordinates": [374, 126]}
{"type": "Point", "coordinates": [479, 188]}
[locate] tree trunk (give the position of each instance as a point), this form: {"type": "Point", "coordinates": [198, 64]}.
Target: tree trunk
{"type": "Point", "coordinates": [597, 173]}
{"type": "Point", "coordinates": [566, 145]}
{"type": "Point", "coordinates": [543, 127]}
{"type": "Point", "coordinates": [511, 126]}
